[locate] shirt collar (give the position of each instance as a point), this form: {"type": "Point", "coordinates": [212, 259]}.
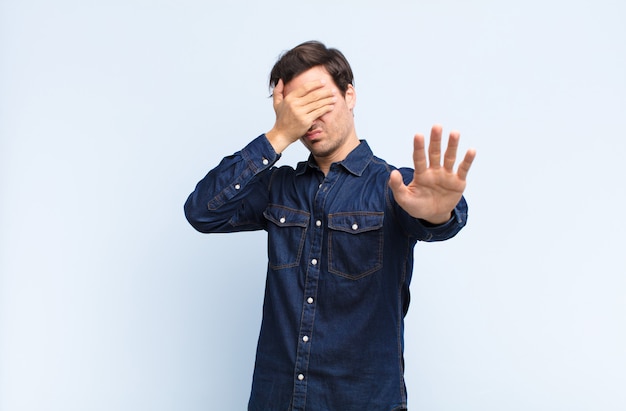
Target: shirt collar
{"type": "Point", "coordinates": [355, 163]}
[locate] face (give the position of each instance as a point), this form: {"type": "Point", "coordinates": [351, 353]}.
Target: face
{"type": "Point", "coordinates": [332, 136]}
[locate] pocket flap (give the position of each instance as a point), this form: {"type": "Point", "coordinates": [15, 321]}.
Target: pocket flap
{"type": "Point", "coordinates": [286, 217]}
{"type": "Point", "coordinates": [356, 222]}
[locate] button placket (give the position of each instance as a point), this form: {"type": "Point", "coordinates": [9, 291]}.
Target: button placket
{"type": "Point", "coordinates": [312, 274]}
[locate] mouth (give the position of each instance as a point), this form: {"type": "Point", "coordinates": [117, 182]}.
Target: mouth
{"type": "Point", "coordinates": [312, 134]}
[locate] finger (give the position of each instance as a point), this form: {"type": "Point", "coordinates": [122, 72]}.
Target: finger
{"type": "Point", "coordinates": [277, 93]}
{"type": "Point", "coordinates": [323, 100]}
{"type": "Point", "coordinates": [309, 87]}
{"type": "Point", "coordinates": [319, 97]}
{"type": "Point", "coordinates": [465, 165]}
{"type": "Point", "coordinates": [396, 183]}
{"type": "Point", "coordinates": [450, 156]}
{"type": "Point", "coordinates": [419, 154]}
{"type": "Point", "coordinates": [434, 147]}
{"type": "Point", "coordinates": [320, 111]}
{"type": "Point", "coordinates": [315, 99]}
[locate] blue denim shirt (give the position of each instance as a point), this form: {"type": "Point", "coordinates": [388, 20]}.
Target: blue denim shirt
{"type": "Point", "coordinates": [340, 253]}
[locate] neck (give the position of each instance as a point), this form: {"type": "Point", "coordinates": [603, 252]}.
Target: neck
{"type": "Point", "coordinates": [325, 161]}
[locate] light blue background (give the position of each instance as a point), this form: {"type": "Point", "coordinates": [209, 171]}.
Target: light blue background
{"type": "Point", "coordinates": [111, 111]}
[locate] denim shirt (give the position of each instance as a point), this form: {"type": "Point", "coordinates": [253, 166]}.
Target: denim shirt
{"type": "Point", "coordinates": [340, 253]}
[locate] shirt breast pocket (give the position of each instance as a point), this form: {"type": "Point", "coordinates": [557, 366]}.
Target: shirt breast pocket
{"type": "Point", "coordinates": [355, 244]}
{"type": "Point", "coordinates": [286, 231]}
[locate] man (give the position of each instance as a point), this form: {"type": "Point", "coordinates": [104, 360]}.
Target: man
{"type": "Point", "coordinates": [341, 231]}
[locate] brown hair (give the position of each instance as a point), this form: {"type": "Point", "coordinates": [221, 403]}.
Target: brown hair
{"type": "Point", "coordinates": [310, 54]}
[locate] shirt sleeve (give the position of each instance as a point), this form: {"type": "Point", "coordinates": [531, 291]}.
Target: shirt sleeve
{"type": "Point", "coordinates": [233, 195]}
{"type": "Point", "coordinates": [423, 230]}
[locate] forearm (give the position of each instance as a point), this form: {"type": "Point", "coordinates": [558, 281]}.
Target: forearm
{"type": "Point", "coordinates": [427, 231]}
{"type": "Point", "coordinates": [432, 229]}
{"type": "Point", "coordinates": [231, 196]}
{"type": "Point", "coordinates": [278, 140]}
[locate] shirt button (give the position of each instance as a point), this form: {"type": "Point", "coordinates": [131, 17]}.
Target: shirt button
{"type": "Point", "coordinates": [237, 186]}
{"type": "Point", "coordinates": [300, 377]}
{"type": "Point", "coordinates": [265, 161]}
{"type": "Point", "coordinates": [355, 226]}
{"type": "Point", "coordinates": [318, 223]}
{"type": "Point", "coordinates": [282, 220]}
{"type": "Point", "coordinates": [314, 261]}
{"type": "Point", "coordinates": [305, 338]}
{"type": "Point", "coordinates": [309, 300]}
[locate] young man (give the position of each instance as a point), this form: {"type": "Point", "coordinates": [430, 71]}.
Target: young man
{"type": "Point", "coordinates": [341, 231]}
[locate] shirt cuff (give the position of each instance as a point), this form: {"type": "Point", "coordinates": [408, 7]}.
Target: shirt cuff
{"type": "Point", "coordinates": [259, 154]}
{"type": "Point", "coordinates": [438, 232]}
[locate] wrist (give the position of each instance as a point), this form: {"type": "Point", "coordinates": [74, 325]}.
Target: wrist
{"type": "Point", "coordinates": [278, 141]}
{"type": "Point", "coordinates": [438, 219]}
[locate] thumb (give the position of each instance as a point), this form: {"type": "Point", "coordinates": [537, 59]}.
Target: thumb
{"type": "Point", "coordinates": [395, 182]}
{"type": "Point", "coordinates": [277, 93]}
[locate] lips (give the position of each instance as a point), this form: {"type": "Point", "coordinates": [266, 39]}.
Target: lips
{"type": "Point", "coordinates": [313, 133]}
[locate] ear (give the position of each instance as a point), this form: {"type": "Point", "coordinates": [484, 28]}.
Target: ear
{"type": "Point", "coordinates": [350, 97]}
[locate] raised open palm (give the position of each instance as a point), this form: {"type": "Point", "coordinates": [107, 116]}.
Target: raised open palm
{"type": "Point", "coordinates": [435, 189]}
